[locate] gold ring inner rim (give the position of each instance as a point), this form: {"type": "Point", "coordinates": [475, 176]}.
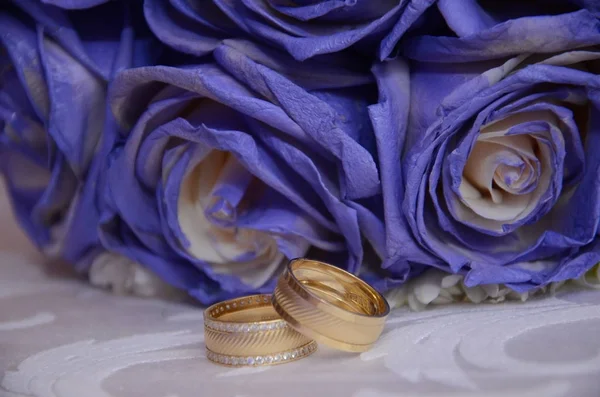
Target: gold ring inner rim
{"type": "Point", "coordinates": [253, 308]}
{"type": "Point", "coordinates": [332, 285]}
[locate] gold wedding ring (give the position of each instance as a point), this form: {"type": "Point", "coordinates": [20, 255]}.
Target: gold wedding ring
{"type": "Point", "coordinates": [330, 305]}
{"type": "Point", "coordinates": [248, 332]}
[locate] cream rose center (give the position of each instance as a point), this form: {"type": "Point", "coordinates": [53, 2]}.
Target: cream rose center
{"type": "Point", "coordinates": [210, 196]}
{"type": "Point", "coordinates": [506, 174]}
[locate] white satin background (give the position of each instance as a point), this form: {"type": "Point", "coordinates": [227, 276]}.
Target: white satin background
{"type": "Point", "coordinates": [59, 337]}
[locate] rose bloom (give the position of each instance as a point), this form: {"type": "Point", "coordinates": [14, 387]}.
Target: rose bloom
{"type": "Point", "coordinates": [55, 127]}
{"type": "Point", "coordinates": [502, 163]}
{"type": "Point", "coordinates": [302, 28]}
{"type": "Point", "coordinates": [74, 4]}
{"type": "Point", "coordinates": [229, 169]}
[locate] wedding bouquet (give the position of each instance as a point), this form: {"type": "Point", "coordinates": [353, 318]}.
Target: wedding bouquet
{"type": "Point", "coordinates": [442, 150]}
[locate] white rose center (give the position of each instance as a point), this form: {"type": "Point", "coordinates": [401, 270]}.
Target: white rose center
{"type": "Point", "coordinates": [506, 175]}
{"type": "Point", "coordinates": [210, 195]}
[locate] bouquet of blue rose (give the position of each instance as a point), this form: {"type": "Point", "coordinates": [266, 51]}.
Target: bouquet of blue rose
{"type": "Point", "coordinates": [442, 150]}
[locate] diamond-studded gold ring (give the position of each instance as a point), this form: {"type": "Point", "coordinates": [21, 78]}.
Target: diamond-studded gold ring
{"type": "Point", "coordinates": [248, 332]}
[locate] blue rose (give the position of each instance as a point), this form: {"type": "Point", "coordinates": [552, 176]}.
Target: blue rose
{"type": "Point", "coordinates": [75, 4]}
{"type": "Point", "coordinates": [502, 164]}
{"type": "Point", "coordinates": [230, 168]}
{"type": "Point", "coordinates": [55, 126]}
{"type": "Point", "coordinates": [302, 28]}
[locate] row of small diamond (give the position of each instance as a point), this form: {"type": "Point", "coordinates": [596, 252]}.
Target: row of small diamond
{"type": "Point", "coordinates": [244, 327]}
{"type": "Point", "coordinates": [227, 306]}
{"type": "Point", "coordinates": [271, 359]}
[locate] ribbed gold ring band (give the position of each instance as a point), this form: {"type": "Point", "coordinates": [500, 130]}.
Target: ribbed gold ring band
{"type": "Point", "coordinates": [330, 305]}
{"type": "Point", "coordinates": [248, 332]}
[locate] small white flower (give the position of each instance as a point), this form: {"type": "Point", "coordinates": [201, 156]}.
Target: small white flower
{"type": "Point", "coordinates": [125, 277]}
{"type": "Point", "coordinates": [591, 279]}
{"type": "Point", "coordinates": [435, 287]}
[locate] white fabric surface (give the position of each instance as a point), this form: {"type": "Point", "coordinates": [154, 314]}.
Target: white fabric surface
{"type": "Point", "coordinates": [59, 337]}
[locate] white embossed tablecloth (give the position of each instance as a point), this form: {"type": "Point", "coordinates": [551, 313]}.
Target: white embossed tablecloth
{"type": "Point", "coordinates": [61, 338]}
